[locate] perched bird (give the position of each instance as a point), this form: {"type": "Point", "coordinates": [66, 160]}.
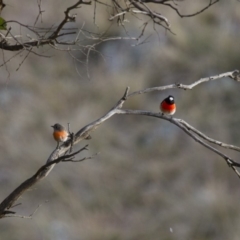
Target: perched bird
{"type": "Point", "coordinates": [60, 134]}
{"type": "Point", "coordinates": [168, 105]}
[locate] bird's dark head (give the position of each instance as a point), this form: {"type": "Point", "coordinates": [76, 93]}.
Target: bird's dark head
{"type": "Point", "coordinates": [57, 127]}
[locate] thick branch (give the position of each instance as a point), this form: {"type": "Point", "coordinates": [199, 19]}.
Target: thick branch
{"type": "Point", "coordinates": [27, 45]}
{"type": "Point", "coordinates": [56, 157]}
{"type": "Point", "coordinates": [13, 197]}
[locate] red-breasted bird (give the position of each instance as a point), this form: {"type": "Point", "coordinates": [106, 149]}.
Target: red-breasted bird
{"type": "Point", "coordinates": [60, 134]}
{"type": "Point", "coordinates": [168, 106]}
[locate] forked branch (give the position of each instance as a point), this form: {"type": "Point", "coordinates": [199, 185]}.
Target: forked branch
{"type": "Point", "coordinates": [58, 155]}
{"type": "Point", "coordinates": [8, 202]}
{"type": "Point", "coordinates": [119, 10]}
{"type": "Point", "coordinates": [43, 38]}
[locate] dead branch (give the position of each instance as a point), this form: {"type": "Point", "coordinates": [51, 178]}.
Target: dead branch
{"type": "Point", "coordinates": [8, 202]}
{"type": "Point", "coordinates": [141, 7]}
{"type": "Point", "coordinates": [68, 17]}
{"type": "Point", "coordinates": [205, 137]}
{"type": "Point", "coordinates": [51, 36]}
{"type": "Point", "coordinates": [189, 15]}
{"type": "Point", "coordinates": [155, 16]}
{"type": "Point", "coordinates": [187, 128]}
{"type": "Point", "coordinates": [58, 155]}
{"type": "Point", "coordinates": [178, 122]}
{"type": "Point", "coordinates": [42, 39]}
{"type": "Point", "coordinates": [233, 75]}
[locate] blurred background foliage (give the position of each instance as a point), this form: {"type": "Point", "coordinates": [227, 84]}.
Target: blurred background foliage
{"type": "Point", "coordinates": [150, 180]}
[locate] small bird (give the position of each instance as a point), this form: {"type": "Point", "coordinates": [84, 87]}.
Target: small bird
{"type": "Point", "coordinates": [60, 134]}
{"type": "Point", "coordinates": [168, 105]}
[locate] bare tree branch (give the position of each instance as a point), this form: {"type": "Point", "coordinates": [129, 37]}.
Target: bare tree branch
{"type": "Point", "coordinates": [4, 44]}
{"type": "Point", "coordinates": [8, 202]}
{"type": "Point", "coordinates": [187, 128]}
{"type": "Point", "coordinates": [58, 155]}
{"type": "Point", "coordinates": [233, 75]}
{"type": "Point", "coordinates": [152, 14]}
{"type": "Point", "coordinates": [178, 123]}
{"type": "Point", "coordinates": [86, 42]}
{"type": "Point", "coordinates": [205, 137]}
{"type": "Point", "coordinates": [68, 18]}
{"type": "Point", "coordinates": [189, 15]}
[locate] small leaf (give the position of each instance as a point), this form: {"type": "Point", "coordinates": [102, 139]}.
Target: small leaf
{"type": "Point", "coordinates": [3, 24]}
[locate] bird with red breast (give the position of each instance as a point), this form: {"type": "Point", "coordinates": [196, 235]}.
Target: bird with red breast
{"type": "Point", "coordinates": [168, 106]}
{"type": "Point", "coordinates": [60, 134]}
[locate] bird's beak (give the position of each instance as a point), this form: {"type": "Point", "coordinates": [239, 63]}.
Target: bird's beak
{"type": "Point", "coordinates": [52, 126]}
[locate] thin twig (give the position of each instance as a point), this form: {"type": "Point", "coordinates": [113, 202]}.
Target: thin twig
{"type": "Point", "coordinates": [231, 75]}
{"type": "Point", "coordinates": [192, 14]}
